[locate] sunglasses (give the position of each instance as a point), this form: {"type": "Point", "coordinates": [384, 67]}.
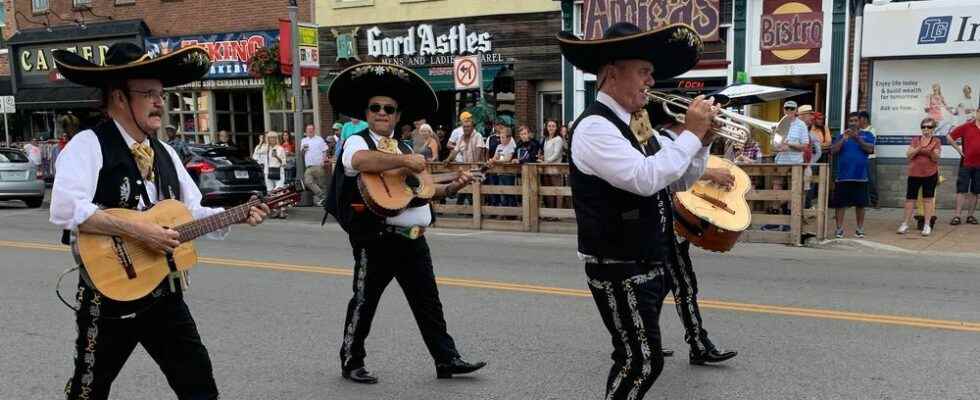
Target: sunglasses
{"type": "Point", "coordinates": [928, 127]}
{"type": "Point", "coordinates": [389, 109]}
{"type": "Point", "coordinates": [789, 108]}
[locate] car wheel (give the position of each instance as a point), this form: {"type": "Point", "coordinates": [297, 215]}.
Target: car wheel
{"type": "Point", "coordinates": [34, 203]}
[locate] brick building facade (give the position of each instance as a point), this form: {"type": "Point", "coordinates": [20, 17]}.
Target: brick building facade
{"type": "Point", "coordinates": [228, 98]}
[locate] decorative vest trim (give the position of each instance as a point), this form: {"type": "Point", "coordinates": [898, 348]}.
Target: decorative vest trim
{"type": "Point", "coordinates": [614, 223]}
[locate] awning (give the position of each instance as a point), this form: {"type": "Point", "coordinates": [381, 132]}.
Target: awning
{"type": "Point", "coordinates": [58, 98]}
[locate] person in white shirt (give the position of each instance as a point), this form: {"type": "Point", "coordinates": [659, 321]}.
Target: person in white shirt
{"type": "Point", "coordinates": [392, 247]}
{"type": "Point", "coordinates": [620, 178]}
{"type": "Point", "coordinates": [33, 150]}
{"type": "Point", "coordinates": [314, 151]}
{"type": "Point", "coordinates": [120, 164]}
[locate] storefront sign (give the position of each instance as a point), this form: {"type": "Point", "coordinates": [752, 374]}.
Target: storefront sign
{"type": "Point", "coordinates": [928, 29]}
{"type": "Point", "coordinates": [423, 40]}
{"type": "Point", "coordinates": [229, 52]}
{"type": "Point", "coordinates": [903, 92]}
{"type": "Point", "coordinates": [702, 15]}
{"type": "Point", "coordinates": [309, 49]}
{"type": "Point", "coordinates": [346, 44]}
{"type": "Point", "coordinates": [35, 63]}
{"type": "Point", "coordinates": [791, 31]}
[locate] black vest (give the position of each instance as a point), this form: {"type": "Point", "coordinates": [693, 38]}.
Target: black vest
{"type": "Point", "coordinates": [345, 203]}
{"type": "Point", "coordinates": [120, 184]}
{"type": "Point", "coordinates": [614, 223]}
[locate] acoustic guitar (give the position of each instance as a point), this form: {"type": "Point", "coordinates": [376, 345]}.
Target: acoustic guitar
{"type": "Point", "coordinates": [712, 217]}
{"type": "Point", "coordinates": [389, 193]}
{"type": "Point", "coordinates": [123, 268]}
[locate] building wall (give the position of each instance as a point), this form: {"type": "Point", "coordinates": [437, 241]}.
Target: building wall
{"type": "Point", "coordinates": [165, 18]}
{"type": "Point", "coordinates": [891, 190]}
{"type": "Point", "coordinates": [347, 12]}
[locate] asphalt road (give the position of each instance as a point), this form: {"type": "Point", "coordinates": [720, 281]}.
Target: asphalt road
{"type": "Point", "coordinates": [270, 302]}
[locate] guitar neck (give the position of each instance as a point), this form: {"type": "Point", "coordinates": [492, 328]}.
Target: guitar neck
{"type": "Point", "coordinates": [200, 227]}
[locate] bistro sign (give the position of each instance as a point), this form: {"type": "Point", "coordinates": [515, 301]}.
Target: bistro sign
{"type": "Point", "coordinates": [791, 31]}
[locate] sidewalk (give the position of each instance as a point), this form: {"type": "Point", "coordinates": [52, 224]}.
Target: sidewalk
{"type": "Point", "coordinates": [880, 226]}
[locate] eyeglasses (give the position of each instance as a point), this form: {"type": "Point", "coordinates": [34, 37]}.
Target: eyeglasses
{"type": "Point", "coordinates": [389, 109]}
{"type": "Point", "coordinates": [149, 94]}
{"type": "Point", "coordinates": [928, 127]}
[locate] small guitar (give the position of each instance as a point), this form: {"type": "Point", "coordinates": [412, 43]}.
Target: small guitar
{"type": "Point", "coordinates": [124, 269]}
{"type": "Point", "coordinates": [388, 193]}
{"type": "Point", "coordinates": [712, 217]}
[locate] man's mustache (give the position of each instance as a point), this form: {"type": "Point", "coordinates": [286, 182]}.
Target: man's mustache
{"type": "Point", "coordinates": [156, 114]}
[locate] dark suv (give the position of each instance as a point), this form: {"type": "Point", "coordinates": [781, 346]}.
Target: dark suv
{"type": "Point", "coordinates": [224, 176]}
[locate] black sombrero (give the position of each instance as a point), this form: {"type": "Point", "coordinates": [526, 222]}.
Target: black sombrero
{"type": "Point", "coordinates": [128, 61]}
{"type": "Point", "coordinates": [353, 87]}
{"type": "Point", "coordinates": [673, 49]}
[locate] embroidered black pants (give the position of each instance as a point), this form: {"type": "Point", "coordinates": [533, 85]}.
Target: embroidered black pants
{"type": "Point", "coordinates": [165, 328]}
{"type": "Point", "coordinates": [376, 263]}
{"type": "Point", "coordinates": [686, 299]}
{"type": "Point", "coordinates": [629, 298]}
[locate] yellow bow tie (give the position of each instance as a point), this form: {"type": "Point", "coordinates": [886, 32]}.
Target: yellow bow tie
{"type": "Point", "coordinates": [388, 145]}
{"type": "Point", "coordinates": [143, 154]}
{"type": "Point", "coordinates": [640, 125]}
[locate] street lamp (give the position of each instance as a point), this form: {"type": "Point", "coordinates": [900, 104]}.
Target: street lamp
{"type": "Point", "coordinates": [297, 89]}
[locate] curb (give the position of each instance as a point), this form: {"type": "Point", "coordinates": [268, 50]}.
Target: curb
{"type": "Point", "coordinates": [832, 244]}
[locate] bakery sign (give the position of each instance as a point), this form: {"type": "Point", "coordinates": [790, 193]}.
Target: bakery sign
{"type": "Point", "coordinates": [791, 31]}
{"type": "Point", "coordinates": [423, 44]}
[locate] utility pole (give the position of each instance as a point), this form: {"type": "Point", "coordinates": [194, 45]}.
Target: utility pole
{"type": "Point", "coordinates": [297, 90]}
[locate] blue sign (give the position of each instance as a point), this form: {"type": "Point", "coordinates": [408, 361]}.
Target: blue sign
{"type": "Point", "coordinates": [935, 30]}
{"type": "Point", "coordinates": [229, 52]}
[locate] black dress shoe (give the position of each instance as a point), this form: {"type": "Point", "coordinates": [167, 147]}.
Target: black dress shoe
{"type": "Point", "coordinates": [457, 367]}
{"type": "Point", "coordinates": [711, 356]}
{"type": "Point", "coordinates": [667, 352]}
{"type": "Point", "coordinates": [360, 375]}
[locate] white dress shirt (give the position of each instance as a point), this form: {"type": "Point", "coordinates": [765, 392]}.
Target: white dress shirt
{"type": "Point", "coordinates": [414, 216]}
{"type": "Point", "coordinates": [316, 150]}
{"type": "Point", "coordinates": [599, 149]}
{"type": "Point", "coordinates": [77, 176]}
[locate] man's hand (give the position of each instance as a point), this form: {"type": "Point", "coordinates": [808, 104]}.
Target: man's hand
{"type": "Point", "coordinates": [257, 214]}
{"type": "Point", "coordinates": [700, 115]}
{"type": "Point", "coordinates": [414, 162]}
{"type": "Point", "coordinates": [719, 176]}
{"type": "Point", "coordinates": [157, 237]}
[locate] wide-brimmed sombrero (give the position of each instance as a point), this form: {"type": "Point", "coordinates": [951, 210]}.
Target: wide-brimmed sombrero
{"type": "Point", "coordinates": [128, 61]}
{"type": "Point", "coordinates": [353, 87]}
{"type": "Point", "coordinates": [673, 49]}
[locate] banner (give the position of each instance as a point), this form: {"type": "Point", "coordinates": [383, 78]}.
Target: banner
{"type": "Point", "coordinates": [903, 92]}
{"type": "Point", "coordinates": [702, 15]}
{"type": "Point", "coordinates": [229, 52]}
{"type": "Point", "coordinates": [921, 28]}
{"type": "Point", "coordinates": [309, 49]}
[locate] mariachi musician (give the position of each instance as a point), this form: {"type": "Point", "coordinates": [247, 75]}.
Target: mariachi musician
{"type": "Point", "coordinates": [393, 247]}
{"type": "Point", "coordinates": [620, 180]}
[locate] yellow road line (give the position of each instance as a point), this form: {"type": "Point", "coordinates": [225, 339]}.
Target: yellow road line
{"type": "Point", "coordinates": [525, 288]}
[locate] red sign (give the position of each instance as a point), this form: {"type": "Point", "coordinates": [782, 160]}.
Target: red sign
{"type": "Point", "coordinates": [702, 15]}
{"type": "Point", "coordinates": [689, 84]}
{"type": "Point", "coordinates": [791, 31]}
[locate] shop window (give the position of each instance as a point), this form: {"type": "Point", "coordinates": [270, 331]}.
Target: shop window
{"type": "Point", "coordinates": [39, 6]}
{"type": "Point", "coordinates": [125, 2]}
{"type": "Point", "coordinates": [240, 113]}
{"type": "Point", "coordinates": [188, 111]}
{"type": "Point", "coordinates": [82, 3]}
{"type": "Point", "coordinates": [551, 108]}
{"type": "Point", "coordinates": [281, 115]}
{"type": "Point", "coordinates": [352, 3]}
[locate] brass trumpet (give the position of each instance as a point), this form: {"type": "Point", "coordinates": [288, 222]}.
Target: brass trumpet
{"type": "Point", "coordinates": [730, 125]}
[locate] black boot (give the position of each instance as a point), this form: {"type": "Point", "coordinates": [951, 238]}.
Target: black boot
{"type": "Point", "coordinates": [712, 355]}
{"type": "Point", "coordinates": [457, 367]}
{"type": "Point", "coordinates": [359, 375]}
{"type": "Point", "coordinates": [667, 352]}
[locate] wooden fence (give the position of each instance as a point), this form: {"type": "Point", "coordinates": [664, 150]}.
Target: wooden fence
{"type": "Point", "coordinates": [549, 208]}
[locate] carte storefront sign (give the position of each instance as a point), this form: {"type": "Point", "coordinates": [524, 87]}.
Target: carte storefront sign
{"type": "Point", "coordinates": [37, 66]}
{"type": "Point", "coordinates": [791, 31]}
{"type": "Point", "coordinates": [229, 52]}
{"type": "Point", "coordinates": [702, 15]}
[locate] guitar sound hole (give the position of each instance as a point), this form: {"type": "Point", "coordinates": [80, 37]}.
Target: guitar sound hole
{"type": "Point", "coordinates": [412, 181]}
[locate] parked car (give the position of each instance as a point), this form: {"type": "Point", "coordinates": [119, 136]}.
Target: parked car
{"type": "Point", "coordinates": [18, 178]}
{"type": "Point", "coordinates": [224, 177]}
